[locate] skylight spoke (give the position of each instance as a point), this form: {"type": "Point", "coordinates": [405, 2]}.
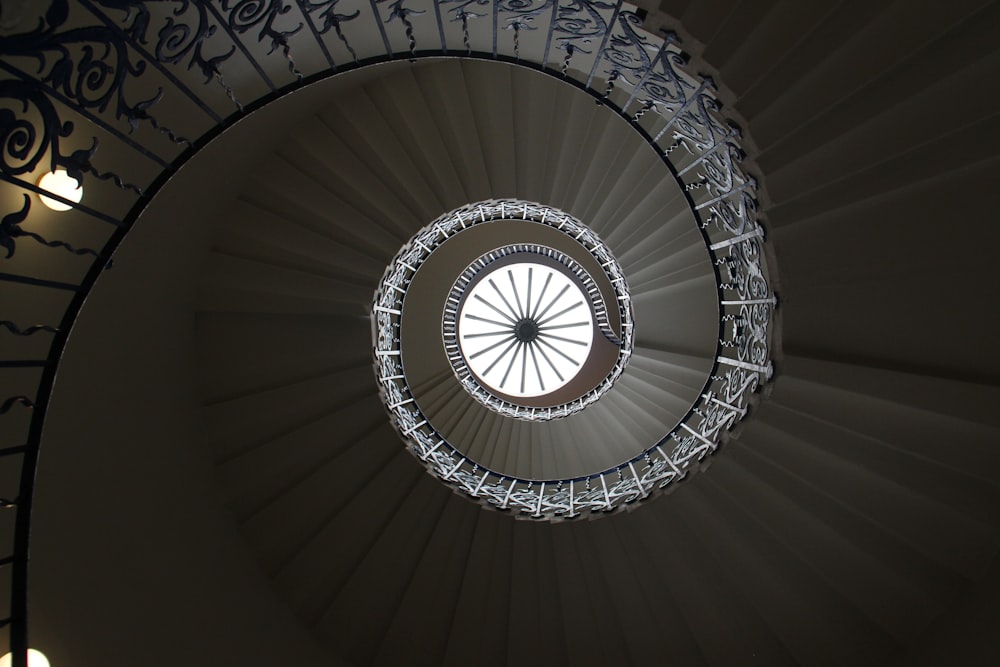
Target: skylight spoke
{"type": "Point", "coordinates": [565, 340]}
{"type": "Point", "coordinates": [502, 355]}
{"type": "Point", "coordinates": [510, 365]}
{"type": "Point", "coordinates": [479, 298]}
{"type": "Point", "coordinates": [483, 319]}
{"type": "Point", "coordinates": [503, 298]}
{"type": "Point", "coordinates": [527, 299]}
{"type": "Point", "coordinates": [524, 364]}
{"type": "Point", "coordinates": [552, 365]}
{"type": "Point", "coordinates": [564, 326]}
{"type": "Point", "coordinates": [513, 286]}
{"type": "Point", "coordinates": [558, 351]}
{"type": "Point", "coordinates": [552, 303]}
{"type": "Point", "coordinates": [506, 332]}
{"type": "Point", "coordinates": [538, 370]}
{"type": "Point", "coordinates": [538, 304]}
{"type": "Point", "coordinates": [491, 347]}
{"type": "Point", "coordinates": [560, 313]}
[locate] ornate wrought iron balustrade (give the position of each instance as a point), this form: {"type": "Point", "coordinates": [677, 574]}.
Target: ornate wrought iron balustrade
{"type": "Point", "coordinates": [156, 81]}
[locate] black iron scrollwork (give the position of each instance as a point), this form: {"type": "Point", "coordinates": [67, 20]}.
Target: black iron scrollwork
{"type": "Point", "coordinates": [141, 112]}
{"type": "Point", "coordinates": [10, 402]}
{"type": "Point", "coordinates": [398, 11]}
{"type": "Point", "coordinates": [732, 204]}
{"type": "Point", "coordinates": [582, 19]}
{"type": "Point", "coordinates": [245, 15]}
{"type": "Point", "coordinates": [34, 130]}
{"type": "Point", "coordinates": [627, 49]}
{"type": "Point", "coordinates": [10, 229]}
{"type": "Point", "coordinates": [89, 65]}
{"type": "Point", "coordinates": [137, 17]}
{"type": "Point", "coordinates": [523, 8]}
{"type": "Point", "coordinates": [627, 52]}
{"type": "Point", "coordinates": [79, 163]}
{"type": "Point", "coordinates": [643, 110]}
{"type": "Point", "coordinates": [517, 24]}
{"type": "Point", "coordinates": [461, 5]}
{"type": "Point", "coordinates": [579, 23]}
{"type": "Point", "coordinates": [699, 124]}
{"type": "Point", "coordinates": [332, 20]}
{"type": "Point", "coordinates": [182, 37]}
{"type": "Point", "coordinates": [525, 12]}
{"type": "Point", "coordinates": [25, 143]}
{"type": "Point", "coordinates": [176, 39]}
{"type": "Point", "coordinates": [26, 331]}
{"type": "Point", "coordinates": [665, 84]}
{"type": "Point", "coordinates": [463, 16]}
{"type": "Point", "coordinates": [570, 49]}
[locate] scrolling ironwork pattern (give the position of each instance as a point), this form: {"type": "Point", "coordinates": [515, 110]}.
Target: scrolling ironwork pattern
{"type": "Point", "coordinates": [72, 68]}
{"type": "Point", "coordinates": [724, 402]}
{"type": "Point", "coordinates": [246, 15]}
{"type": "Point", "coordinates": [89, 66]}
{"type": "Point", "coordinates": [330, 19]}
{"type": "Point", "coordinates": [388, 300]}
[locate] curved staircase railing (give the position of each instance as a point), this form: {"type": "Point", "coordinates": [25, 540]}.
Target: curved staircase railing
{"type": "Point", "coordinates": [150, 83]}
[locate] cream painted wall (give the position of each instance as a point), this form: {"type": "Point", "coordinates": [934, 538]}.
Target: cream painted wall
{"type": "Point", "coordinates": [128, 535]}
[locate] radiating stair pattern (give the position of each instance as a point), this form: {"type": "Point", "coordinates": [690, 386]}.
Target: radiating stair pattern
{"type": "Point", "coordinates": [852, 519]}
{"type": "Point", "coordinates": [787, 546]}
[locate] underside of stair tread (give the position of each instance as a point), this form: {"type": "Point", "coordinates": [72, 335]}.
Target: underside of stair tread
{"type": "Point", "coordinates": [852, 518]}
{"type": "Point", "coordinates": [804, 628]}
{"type": "Point", "coordinates": [791, 542]}
{"type": "Point", "coordinates": [944, 535]}
{"type": "Point", "coordinates": [872, 586]}
{"type": "Point", "coordinates": [262, 415]}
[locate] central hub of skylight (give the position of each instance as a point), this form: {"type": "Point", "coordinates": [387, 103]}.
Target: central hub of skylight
{"type": "Point", "coordinates": [525, 329]}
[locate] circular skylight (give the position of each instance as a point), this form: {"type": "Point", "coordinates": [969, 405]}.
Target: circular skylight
{"type": "Point", "coordinates": [525, 329]}
{"type": "Point", "coordinates": [527, 332]}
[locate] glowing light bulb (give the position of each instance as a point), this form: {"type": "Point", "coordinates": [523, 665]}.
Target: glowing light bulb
{"type": "Point", "coordinates": [35, 659]}
{"type": "Point", "coordinates": [60, 183]}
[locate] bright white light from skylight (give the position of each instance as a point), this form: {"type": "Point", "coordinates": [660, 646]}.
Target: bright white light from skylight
{"type": "Point", "coordinates": [525, 329]}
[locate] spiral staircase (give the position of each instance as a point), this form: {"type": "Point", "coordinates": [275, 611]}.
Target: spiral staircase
{"type": "Point", "coordinates": [218, 481]}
